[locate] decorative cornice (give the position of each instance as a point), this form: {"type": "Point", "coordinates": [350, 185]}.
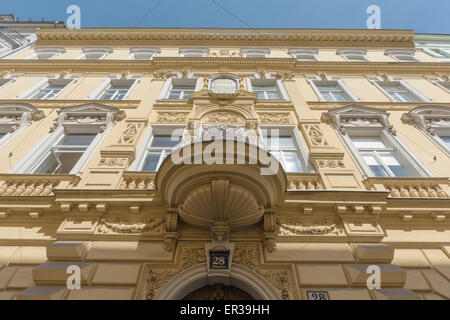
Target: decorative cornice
{"type": "Point", "coordinates": [58, 104]}
{"type": "Point", "coordinates": [216, 62]}
{"type": "Point", "coordinates": [385, 105]}
{"type": "Point", "coordinates": [236, 37]}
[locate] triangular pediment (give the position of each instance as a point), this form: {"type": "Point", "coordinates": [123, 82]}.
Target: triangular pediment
{"type": "Point", "coordinates": [356, 109]}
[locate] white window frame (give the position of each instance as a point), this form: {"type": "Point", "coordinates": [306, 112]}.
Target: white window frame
{"type": "Point", "coordinates": [46, 53]}
{"type": "Point", "coordinates": [193, 52]}
{"type": "Point", "coordinates": [165, 91]}
{"type": "Point", "coordinates": [345, 53]}
{"type": "Point", "coordinates": [291, 130]}
{"type": "Point", "coordinates": [149, 51]}
{"type": "Point", "coordinates": [374, 123]}
{"type": "Point", "coordinates": [43, 84]}
{"type": "Point", "coordinates": [151, 131]}
{"type": "Point", "coordinates": [101, 90]}
{"type": "Point", "coordinates": [314, 53]}
{"type": "Point", "coordinates": [420, 97]}
{"type": "Point", "coordinates": [255, 52]}
{"type": "Point", "coordinates": [439, 82]}
{"type": "Point", "coordinates": [278, 83]}
{"type": "Point", "coordinates": [339, 82]}
{"type": "Point", "coordinates": [102, 51]}
{"type": "Point", "coordinates": [38, 154]}
{"type": "Point", "coordinates": [397, 53]}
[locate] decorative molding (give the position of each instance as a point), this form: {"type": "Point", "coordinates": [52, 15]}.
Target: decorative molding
{"type": "Point", "coordinates": [332, 164]}
{"type": "Point", "coordinates": [112, 162]}
{"type": "Point", "coordinates": [294, 227]}
{"type": "Point", "coordinates": [304, 181]}
{"type": "Point", "coordinates": [280, 279]}
{"type": "Point", "coordinates": [410, 187]}
{"type": "Point", "coordinates": [131, 133]}
{"type": "Point", "coordinates": [60, 104]}
{"type": "Point", "coordinates": [157, 278]}
{"type": "Point", "coordinates": [191, 257]}
{"type": "Point", "coordinates": [246, 256]}
{"type": "Point", "coordinates": [216, 117]}
{"type": "Point", "coordinates": [274, 118]}
{"type": "Point", "coordinates": [172, 117]}
{"type": "Point", "coordinates": [224, 53]}
{"type": "Point", "coordinates": [315, 135]}
{"type": "Point", "coordinates": [124, 225]}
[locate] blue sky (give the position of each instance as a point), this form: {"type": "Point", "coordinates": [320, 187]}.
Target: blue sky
{"type": "Point", "coordinates": [423, 16]}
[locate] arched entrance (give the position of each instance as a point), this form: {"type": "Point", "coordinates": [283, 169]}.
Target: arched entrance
{"type": "Point", "coordinates": [194, 279]}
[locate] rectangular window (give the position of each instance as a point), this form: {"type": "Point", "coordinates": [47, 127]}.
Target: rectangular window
{"type": "Point", "coordinates": [50, 90]}
{"type": "Point", "coordinates": [398, 92]}
{"type": "Point", "coordinates": [117, 90]}
{"type": "Point", "coordinates": [266, 89]}
{"type": "Point", "coordinates": [285, 149]}
{"type": "Point", "coordinates": [332, 91]}
{"type": "Point", "coordinates": [381, 158]}
{"type": "Point", "coordinates": [160, 147]}
{"type": "Point", "coordinates": [4, 82]}
{"type": "Point", "coordinates": [64, 155]}
{"type": "Point", "coordinates": [182, 88]}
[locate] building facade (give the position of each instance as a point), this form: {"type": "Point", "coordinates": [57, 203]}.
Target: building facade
{"type": "Point", "coordinates": [225, 164]}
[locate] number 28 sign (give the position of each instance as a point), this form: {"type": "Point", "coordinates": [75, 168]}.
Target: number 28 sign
{"type": "Point", "coordinates": [218, 259]}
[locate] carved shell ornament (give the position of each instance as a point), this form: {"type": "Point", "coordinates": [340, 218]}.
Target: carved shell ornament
{"type": "Point", "coordinates": [220, 202]}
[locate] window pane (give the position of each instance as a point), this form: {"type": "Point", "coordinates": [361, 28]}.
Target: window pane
{"type": "Point", "coordinates": [78, 139]}
{"type": "Point", "coordinates": [368, 143]}
{"type": "Point", "coordinates": [446, 139]}
{"type": "Point", "coordinates": [407, 96]}
{"type": "Point", "coordinates": [167, 141]}
{"type": "Point", "coordinates": [67, 160]}
{"type": "Point", "coordinates": [273, 95]}
{"type": "Point", "coordinates": [151, 161]}
{"type": "Point", "coordinates": [281, 142]}
{"type": "Point", "coordinates": [341, 96]}
{"type": "Point", "coordinates": [376, 168]}
{"type": "Point", "coordinates": [391, 162]}
{"type": "Point", "coordinates": [293, 163]}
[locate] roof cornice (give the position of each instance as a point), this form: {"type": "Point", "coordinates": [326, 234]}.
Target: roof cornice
{"type": "Point", "coordinates": [230, 37]}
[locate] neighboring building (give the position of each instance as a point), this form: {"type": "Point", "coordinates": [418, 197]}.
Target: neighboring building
{"type": "Point", "coordinates": [91, 131]}
{"type": "Point", "coordinates": [16, 35]}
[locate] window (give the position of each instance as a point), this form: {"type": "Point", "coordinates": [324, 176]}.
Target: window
{"type": "Point", "coordinates": [193, 52]}
{"type": "Point", "coordinates": [47, 53]}
{"type": "Point", "coordinates": [50, 90]}
{"type": "Point", "coordinates": [332, 90]}
{"type": "Point", "coordinates": [255, 52]}
{"type": "Point", "coordinates": [95, 53]}
{"type": "Point", "coordinates": [282, 144]}
{"type": "Point", "coordinates": [373, 143]}
{"type": "Point", "coordinates": [72, 140]}
{"type": "Point", "coordinates": [268, 89]}
{"type": "Point", "coordinates": [145, 53]}
{"type": "Point", "coordinates": [381, 159]}
{"type": "Point", "coordinates": [402, 55]}
{"type": "Point", "coordinates": [353, 55]}
{"type": "Point", "coordinates": [434, 122]}
{"type": "Point", "coordinates": [117, 89]}
{"type": "Point", "coordinates": [304, 54]}
{"type": "Point", "coordinates": [181, 88]}
{"type": "Point", "coordinates": [443, 84]}
{"type": "Point", "coordinates": [160, 147]}
{"type": "Point", "coordinates": [399, 91]}
{"type": "Point", "coordinates": [65, 154]}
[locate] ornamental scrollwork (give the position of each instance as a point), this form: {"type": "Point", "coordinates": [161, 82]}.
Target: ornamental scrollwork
{"type": "Point", "coordinates": [274, 118]}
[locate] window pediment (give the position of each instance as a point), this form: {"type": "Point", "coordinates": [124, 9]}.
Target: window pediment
{"type": "Point", "coordinates": [358, 116]}
{"type": "Point", "coordinates": [13, 115]}
{"type": "Point", "coordinates": [429, 118]}
{"type": "Point", "coordinates": [95, 115]}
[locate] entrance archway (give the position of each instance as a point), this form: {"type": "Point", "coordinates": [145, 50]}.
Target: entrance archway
{"type": "Point", "coordinates": [196, 277]}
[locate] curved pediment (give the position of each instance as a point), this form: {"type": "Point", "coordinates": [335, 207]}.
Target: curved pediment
{"type": "Point", "coordinates": [19, 109]}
